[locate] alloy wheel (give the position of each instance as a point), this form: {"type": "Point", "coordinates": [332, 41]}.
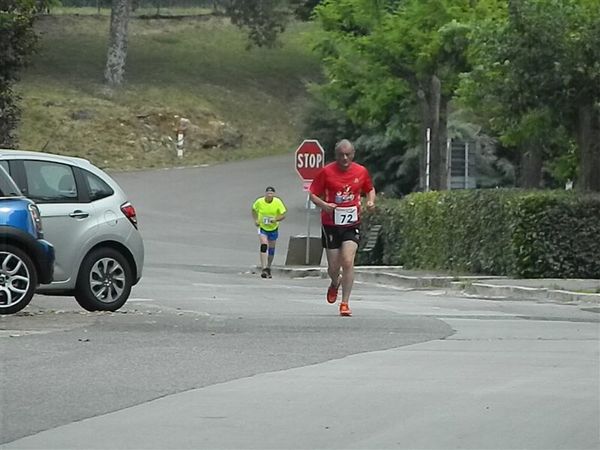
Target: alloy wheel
{"type": "Point", "coordinates": [107, 279]}
{"type": "Point", "coordinates": [15, 279]}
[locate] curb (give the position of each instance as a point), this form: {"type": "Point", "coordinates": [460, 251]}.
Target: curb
{"type": "Point", "coordinates": [466, 285]}
{"type": "Point", "coordinates": [373, 276]}
{"type": "Point", "coordinates": [405, 280]}
{"type": "Point", "coordinates": [300, 272]}
{"type": "Point", "coordinates": [530, 293]}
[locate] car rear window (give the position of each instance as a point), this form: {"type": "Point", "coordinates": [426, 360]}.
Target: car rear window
{"type": "Point", "coordinates": [98, 188]}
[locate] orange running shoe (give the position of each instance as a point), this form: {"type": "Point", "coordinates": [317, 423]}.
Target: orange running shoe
{"type": "Point", "coordinates": [332, 292]}
{"type": "Point", "coordinates": [345, 310]}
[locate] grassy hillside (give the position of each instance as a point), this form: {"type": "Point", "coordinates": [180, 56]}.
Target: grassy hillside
{"type": "Point", "coordinates": [240, 103]}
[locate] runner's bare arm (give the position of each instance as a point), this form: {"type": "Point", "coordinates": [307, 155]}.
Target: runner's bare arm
{"type": "Point", "coordinates": [322, 203]}
{"type": "Point", "coordinates": [371, 199]}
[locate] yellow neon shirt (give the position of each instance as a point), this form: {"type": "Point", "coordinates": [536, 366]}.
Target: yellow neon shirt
{"type": "Point", "coordinates": [267, 212]}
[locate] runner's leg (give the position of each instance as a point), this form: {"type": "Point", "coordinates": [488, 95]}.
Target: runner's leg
{"type": "Point", "coordinates": [333, 265]}
{"type": "Point", "coordinates": [263, 255]}
{"type": "Point", "coordinates": [346, 257]}
{"type": "Point", "coordinates": [328, 240]}
{"type": "Point", "coordinates": [271, 253]}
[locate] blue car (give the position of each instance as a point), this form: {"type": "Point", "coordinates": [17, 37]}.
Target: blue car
{"type": "Point", "coordinates": [26, 259]}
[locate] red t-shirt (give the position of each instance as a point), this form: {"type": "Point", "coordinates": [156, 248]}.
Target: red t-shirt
{"type": "Point", "coordinates": [344, 189]}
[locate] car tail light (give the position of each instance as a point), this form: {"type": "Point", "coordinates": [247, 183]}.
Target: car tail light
{"type": "Point", "coordinates": [129, 211]}
{"type": "Point", "coordinates": [37, 220]}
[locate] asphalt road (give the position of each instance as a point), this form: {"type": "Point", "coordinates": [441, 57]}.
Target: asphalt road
{"type": "Point", "coordinates": [201, 216]}
{"type": "Point", "coordinates": [208, 355]}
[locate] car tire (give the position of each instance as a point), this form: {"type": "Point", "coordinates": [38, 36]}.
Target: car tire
{"type": "Point", "coordinates": [18, 279]}
{"type": "Point", "coordinates": [104, 280]}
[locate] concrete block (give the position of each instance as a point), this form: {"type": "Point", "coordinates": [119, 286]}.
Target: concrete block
{"type": "Point", "coordinates": [296, 255]}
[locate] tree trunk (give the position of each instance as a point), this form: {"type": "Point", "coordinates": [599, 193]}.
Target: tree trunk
{"type": "Point", "coordinates": [117, 47]}
{"type": "Point", "coordinates": [434, 109]}
{"type": "Point", "coordinates": [530, 168]}
{"type": "Point", "coordinates": [588, 140]}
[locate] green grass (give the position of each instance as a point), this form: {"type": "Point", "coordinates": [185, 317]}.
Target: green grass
{"type": "Point", "coordinates": [195, 67]}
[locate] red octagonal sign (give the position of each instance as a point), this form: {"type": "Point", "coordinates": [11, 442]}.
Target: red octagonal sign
{"type": "Point", "coordinates": [310, 158]}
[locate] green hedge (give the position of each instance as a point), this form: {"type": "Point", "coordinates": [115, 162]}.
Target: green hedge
{"type": "Point", "coordinates": [532, 234]}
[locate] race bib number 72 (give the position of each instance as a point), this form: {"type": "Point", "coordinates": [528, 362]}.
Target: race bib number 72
{"type": "Point", "coordinates": [345, 216]}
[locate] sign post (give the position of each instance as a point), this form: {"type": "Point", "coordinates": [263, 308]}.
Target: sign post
{"type": "Point", "coordinates": [181, 129]}
{"type": "Point", "coordinates": [309, 158]}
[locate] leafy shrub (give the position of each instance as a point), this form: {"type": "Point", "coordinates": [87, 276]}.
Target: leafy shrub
{"type": "Point", "coordinates": [557, 235]}
{"type": "Point", "coordinates": [499, 232]}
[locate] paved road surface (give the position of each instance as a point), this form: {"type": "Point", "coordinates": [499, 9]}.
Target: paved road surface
{"type": "Point", "coordinates": [202, 215]}
{"type": "Point", "coordinates": [208, 355]}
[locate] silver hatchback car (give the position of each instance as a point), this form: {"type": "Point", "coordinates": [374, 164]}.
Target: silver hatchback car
{"type": "Point", "coordinates": [90, 222]}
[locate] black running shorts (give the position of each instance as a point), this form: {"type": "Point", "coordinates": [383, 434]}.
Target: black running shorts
{"type": "Point", "coordinates": [332, 236]}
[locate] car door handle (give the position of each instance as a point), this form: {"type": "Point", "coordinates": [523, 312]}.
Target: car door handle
{"type": "Point", "coordinates": [78, 214]}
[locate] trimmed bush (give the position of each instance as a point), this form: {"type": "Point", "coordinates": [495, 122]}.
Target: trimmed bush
{"type": "Point", "coordinates": [533, 234]}
{"type": "Point", "coordinates": [557, 235]}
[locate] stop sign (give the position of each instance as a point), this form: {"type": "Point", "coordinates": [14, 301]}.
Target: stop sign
{"type": "Point", "coordinates": [309, 159]}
